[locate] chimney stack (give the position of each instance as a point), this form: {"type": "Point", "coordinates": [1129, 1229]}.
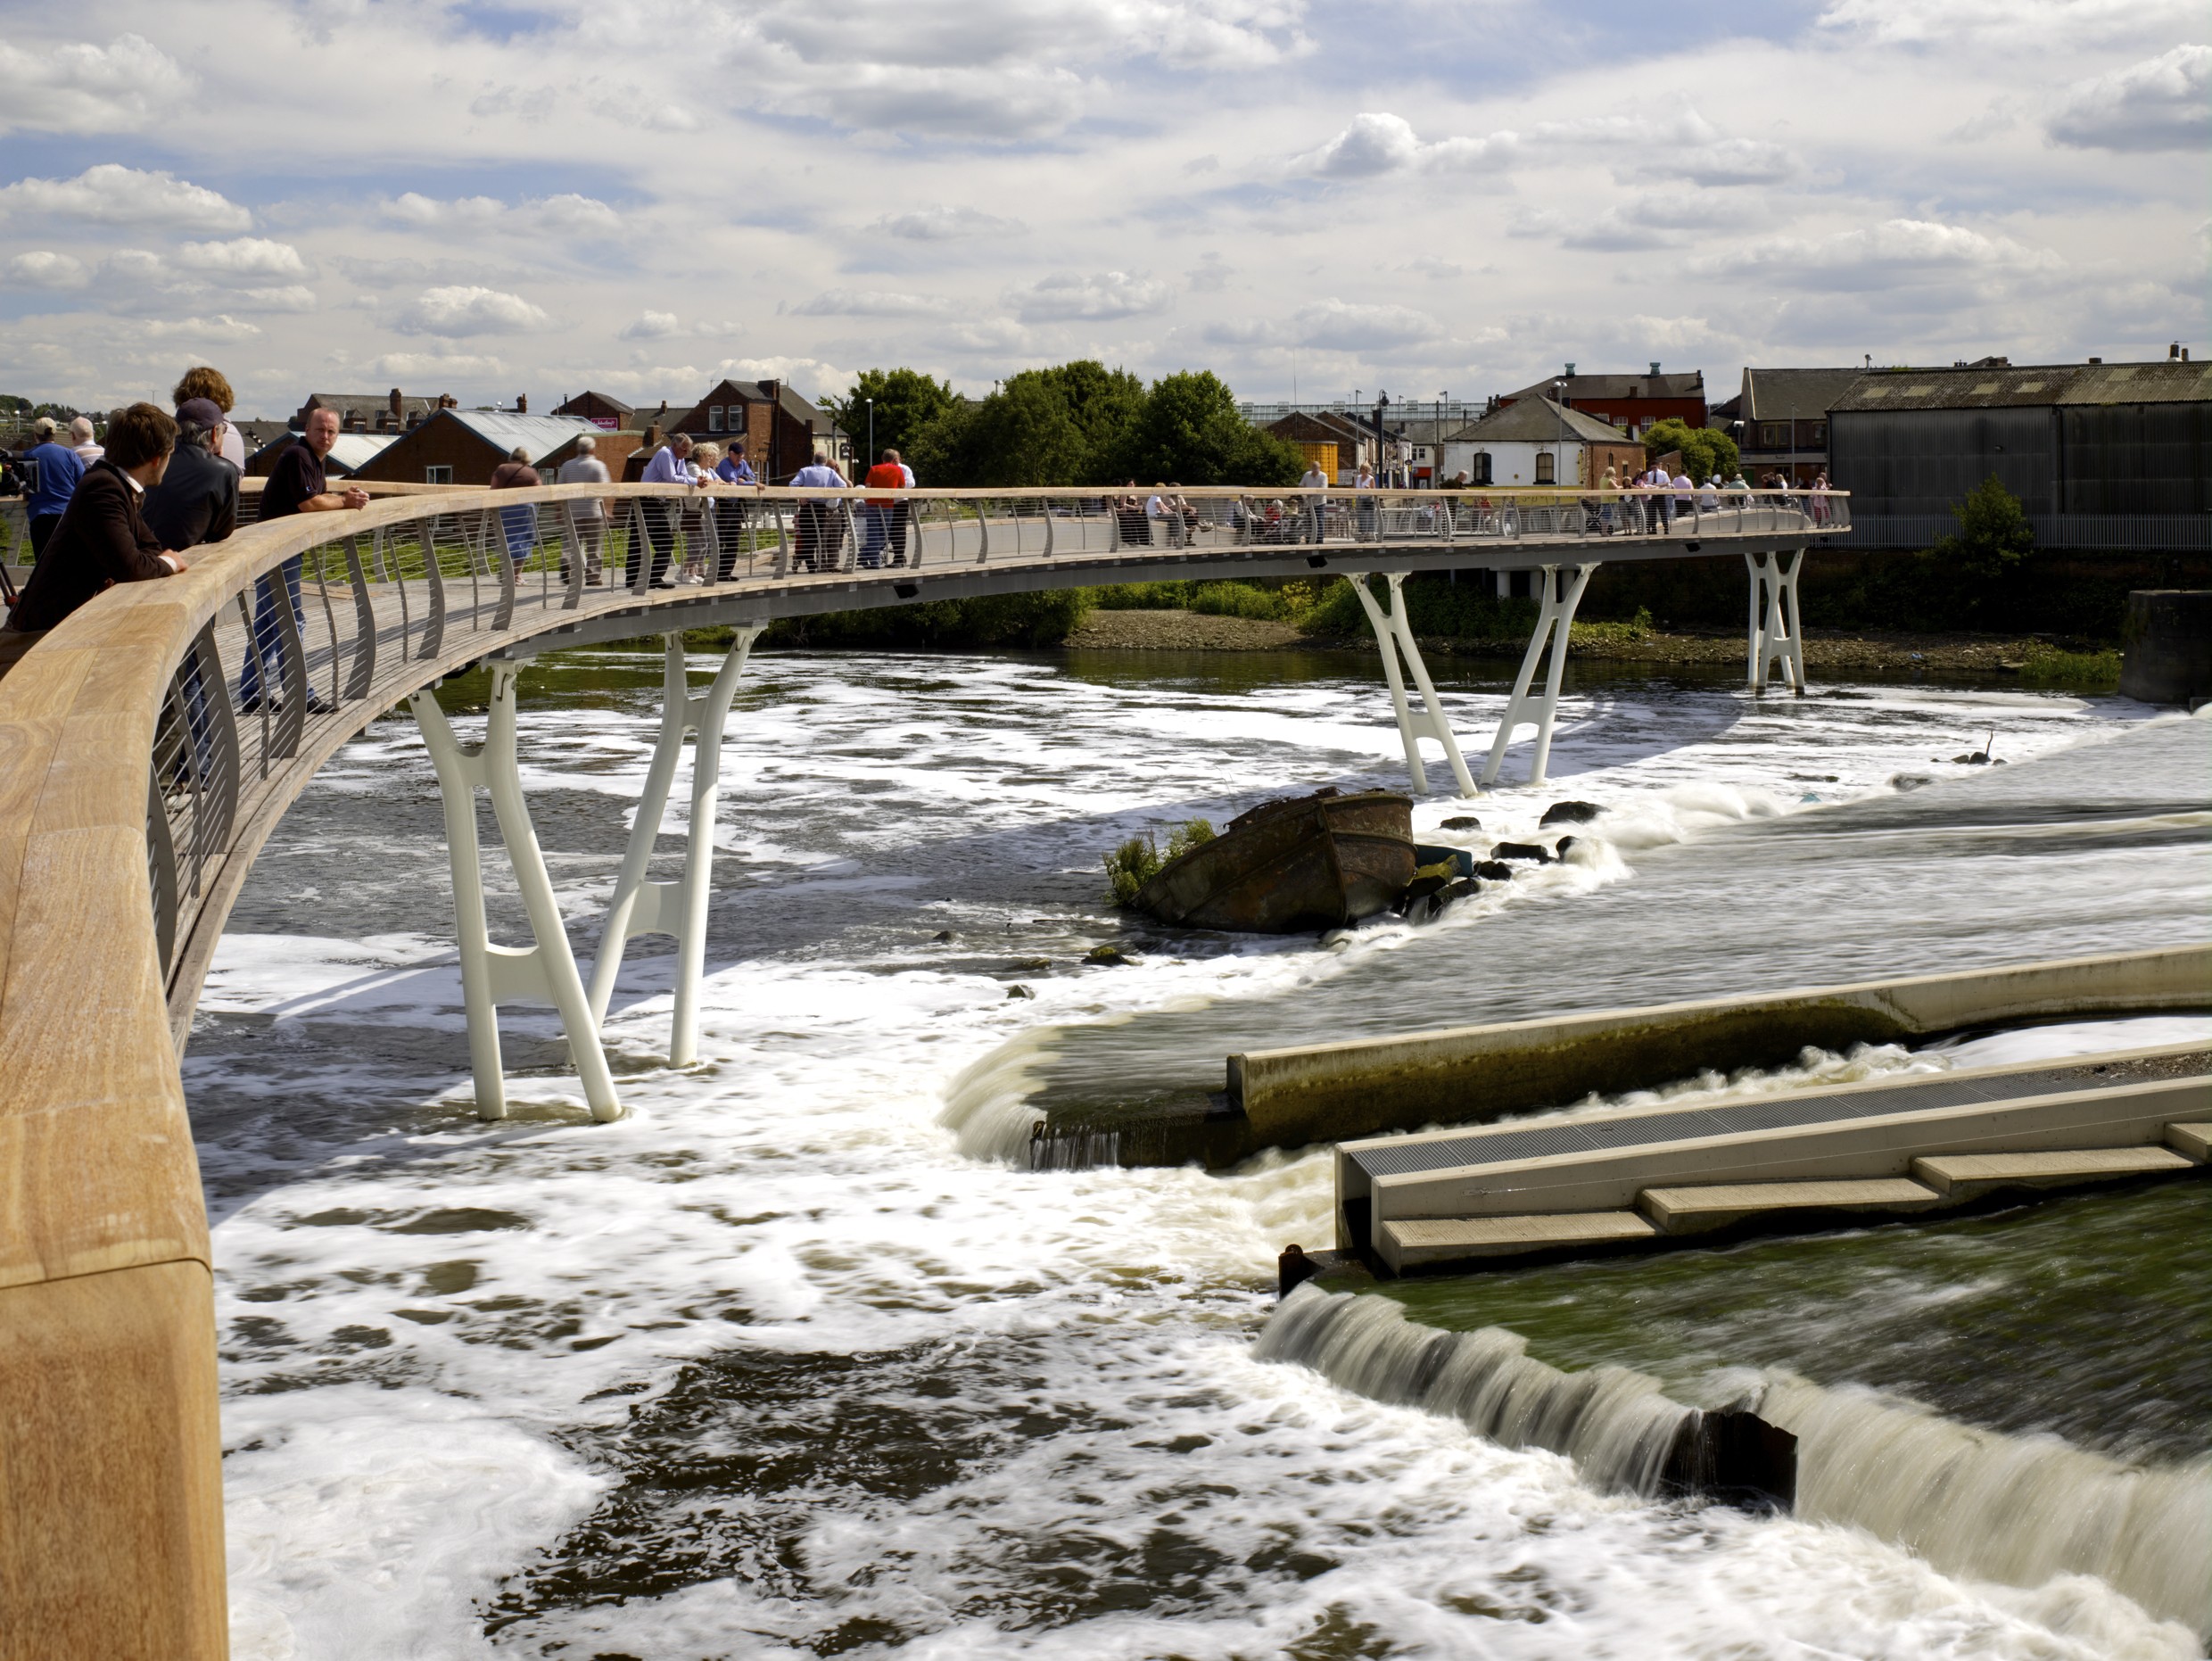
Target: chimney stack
{"type": "Point", "coordinates": [395, 401]}
{"type": "Point", "coordinates": [1569, 371]}
{"type": "Point", "coordinates": [2173, 352]}
{"type": "Point", "coordinates": [1654, 368]}
{"type": "Point", "coordinates": [522, 403]}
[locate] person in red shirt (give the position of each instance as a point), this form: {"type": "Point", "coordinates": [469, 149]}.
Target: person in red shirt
{"type": "Point", "coordinates": [885, 474]}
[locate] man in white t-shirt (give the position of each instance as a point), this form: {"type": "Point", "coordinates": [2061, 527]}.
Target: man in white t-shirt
{"type": "Point", "coordinates": [1316, 504]}
{"type": "Point", "coordinates": [80, 440]}
{"type": "Point", "coordinates": [587, 514]}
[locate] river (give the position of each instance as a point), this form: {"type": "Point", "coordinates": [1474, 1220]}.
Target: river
{"type": "Point", "coordinates": [799, 1359]}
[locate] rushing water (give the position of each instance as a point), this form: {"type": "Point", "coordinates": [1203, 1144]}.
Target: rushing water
{"type": "Point", "coordinates": [788, 1363]}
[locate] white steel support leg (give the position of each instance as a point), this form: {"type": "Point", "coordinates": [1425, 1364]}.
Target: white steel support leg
{"type": "Point", "coordinates": [492, 974]}
{"type": "Point", "coordinates": [1553, 620]}
{"type": "Point", "coordinates": [1776, 627]}
{"type": "Point", "coordinates": [676, 908]}
{"type": "Point", "coordinates": [1393, 633]}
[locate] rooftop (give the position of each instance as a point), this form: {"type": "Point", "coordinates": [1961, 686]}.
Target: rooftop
{"type": "Point", "coordinates": [1793, 394]}
{"type": "Point", "coordinates": [1993, 388]}
{"type": "Point", "coordinates": [1537, 420]}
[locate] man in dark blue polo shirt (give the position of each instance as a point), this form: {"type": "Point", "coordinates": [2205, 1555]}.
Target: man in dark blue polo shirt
{"type": "Point", "coordinates": [55, 470]}
{"type": "Point", "coordinates": [296, 485]}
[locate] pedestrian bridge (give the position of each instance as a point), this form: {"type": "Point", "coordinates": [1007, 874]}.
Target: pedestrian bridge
{"type": "Point", "coordinates": [137, 790]}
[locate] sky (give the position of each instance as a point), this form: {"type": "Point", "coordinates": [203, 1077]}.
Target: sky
{"type": "Point", "coordinates": [1450, 199]}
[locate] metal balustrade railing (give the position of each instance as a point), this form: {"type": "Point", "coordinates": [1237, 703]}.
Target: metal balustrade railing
{"type": "Point", "coordinates": [302, 647]}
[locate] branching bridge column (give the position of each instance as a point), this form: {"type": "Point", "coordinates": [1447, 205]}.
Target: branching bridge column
{"type": "Point", "coordinates": [1777, 626]}
{"type": "Point", "coordinates": [1393, 633]}
{"type": "Point", "coordinates": [492, 974]}
{"type": "Point", "coordinates": [676, 908]}
{"type": "Point", "coordinates": [1561, 594]}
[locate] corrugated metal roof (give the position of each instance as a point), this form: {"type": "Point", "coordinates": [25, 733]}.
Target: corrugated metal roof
{"type": "Point", "coordinates": [1539, 421]}
{"type": "Point", "coordinates": [2032, 385]}
{"type": "Point", "coordinates": [357, 449]}
{"type": "Point", "coordinates": [1793, 394]}
{"type": "Point", "coordinates": [539, 434]}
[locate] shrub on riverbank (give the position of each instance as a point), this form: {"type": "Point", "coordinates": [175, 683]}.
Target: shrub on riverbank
{"type": "Point", "coordinates": [2075, 672]}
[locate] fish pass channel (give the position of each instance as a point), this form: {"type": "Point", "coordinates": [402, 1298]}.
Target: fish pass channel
{"type": "Point", "coordinates": [801, 1358]}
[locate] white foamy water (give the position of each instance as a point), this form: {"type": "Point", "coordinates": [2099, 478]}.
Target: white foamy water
{"type": "Point", "coordinates": [783, 1363]}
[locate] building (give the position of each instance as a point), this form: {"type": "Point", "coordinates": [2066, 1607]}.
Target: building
{"type": "Point", "coordinates": [466, 446]}
{"type": "Point", "coordinates": [780, 431]}
{"type": "Point", "coordinates": [372, 412]}
{"type": "Point", "coordinates": [1779, 420]}
{"type": "Point", "coordinates": [1534, 440]}
{"type": "Point", "coordinates": [608, 414]}
{"type": "Point", "coordinates": [1328, 440]}
{"type": "Point", "coordinates": [1632, 402]}
{"type": "Point", "coordinates": [2100, 454]}
{"type": "Point", "coordinates": [352, 453]}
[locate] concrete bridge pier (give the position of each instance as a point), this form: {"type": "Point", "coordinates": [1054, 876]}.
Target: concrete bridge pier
{"type": "Point", "coordinates": [676, 908]}
{"type": "Point", "coordinates": [1562, 587]}
{"type": "Point", "coordinates": [545, 971]}
{"type": "Point", "coordinates": [1393, 633]}
{"type": "Point", "coordinates": [1776, 626]}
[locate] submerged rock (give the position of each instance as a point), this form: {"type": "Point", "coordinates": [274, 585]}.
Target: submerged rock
{"type": "Point", "coordinates": [1107, 956]}
{"type": "Point", "coordinates": [1018, 990]}
{"type": "Point", "coordinates": [1569, 814]}
{"type": "Point", "coordinates": [1493, 871]}
{"type": "Point", "coordinates": [1536, 851]}
{"type": "Point", "coordinates": [1464, 822]}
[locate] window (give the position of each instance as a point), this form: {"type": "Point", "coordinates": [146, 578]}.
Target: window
{"type": "Point", "coordinates": [1480, 469]}
{"type": "Point", "coordinates": [1774, 436]}
{"type": "Point", "coordinates": [713, 418]}
{"type": "Point", "coordinates": [1547, 468]}
{"type": "Point", "coordinates": [437, 475]}
{"type": "Point", "coordinates": [1816, 435]}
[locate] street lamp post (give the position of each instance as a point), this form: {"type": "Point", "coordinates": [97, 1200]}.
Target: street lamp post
{"type": "Point", "coordinates": [871, 430]}
{"type": "Point", "coordinates": [1382, 452]}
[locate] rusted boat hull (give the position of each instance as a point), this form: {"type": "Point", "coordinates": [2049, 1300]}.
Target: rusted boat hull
{"type": "Point", "coordinates": [1319, 862]}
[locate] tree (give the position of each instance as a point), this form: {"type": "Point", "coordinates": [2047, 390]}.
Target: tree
{"type": "Point", "coordinates": [1994, 534]}
{"type": "Point", "coordinates": [1191, 432]}
{"type": "Point", "coordinates": [1706, 451]}
{"type": "Point", "coordinates": [907, 402]}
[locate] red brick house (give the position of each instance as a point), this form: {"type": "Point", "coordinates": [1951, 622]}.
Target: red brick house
{"type": "Point", "coordinates": [1631, 401]}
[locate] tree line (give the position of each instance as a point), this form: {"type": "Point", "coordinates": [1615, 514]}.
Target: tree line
{"type": "Point", "coordinates": [1077, 423]}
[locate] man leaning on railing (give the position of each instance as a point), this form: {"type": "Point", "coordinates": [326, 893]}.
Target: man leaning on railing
{"type": "Point", "coordinates": [102, 538]}
{"type": "Point", "coordinates": [296, 485]}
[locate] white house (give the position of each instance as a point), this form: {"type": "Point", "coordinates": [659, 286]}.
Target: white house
{"type": "Point", "coordinates": [1537, 441]}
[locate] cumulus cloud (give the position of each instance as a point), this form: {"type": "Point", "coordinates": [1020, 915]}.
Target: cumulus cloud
{"type": "Point", "coordinates": [568, 214]}
{"type": "Point", "coordinates": [2162, 104]}
{"type": "Point", "coordinates": [870, 302]}
{"type": "Point", "coordinates": [1376, 142]}
{"type": "Point", "coordinates": [80, 87]}
{"type": "Point", "coordinates": [222, 327]}
{"type": "Point", "coordinates": [1896, 251]}
{"type": "Point", "coordinates": [995, 71]}
{"type": "Point", "coordinates": [44, 269]}
{"type": "Point", "coordinates": [464, 309]}
{"type": "Point", "coordinates": [2008, 22]}
{"type": "Point", "coordinates": [446, 367]}
{"type": "Point", "coordinates": [111, 194]}
{"type": "Point", "coordinates": [943, 224]}
{"type": "Point", "coordinates": [242, 258]}
{"type": "Point", "coordinates": [1067, 297]}
{"type": "Point", "coordinates": [1335, 325]}
{"type": "Point", "coordinates": [651, 326]}
{"type": "Point", "coordinates": [1648, 219]}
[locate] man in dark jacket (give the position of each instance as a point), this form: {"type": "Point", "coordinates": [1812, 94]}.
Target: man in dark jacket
{"type": "Point", "coordinates": [197, 500]}
{"type": "Point", "coordinates": [103, 537]}
{"type": "Point", "coordinates": [296, 485]}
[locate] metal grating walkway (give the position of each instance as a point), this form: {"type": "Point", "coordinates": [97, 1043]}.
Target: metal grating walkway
{"type": "Point", "coordinates": [1590, 1135]}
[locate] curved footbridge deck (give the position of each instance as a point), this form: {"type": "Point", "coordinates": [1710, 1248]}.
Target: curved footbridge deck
{"type": "Point", "coordinates": [138, 783]}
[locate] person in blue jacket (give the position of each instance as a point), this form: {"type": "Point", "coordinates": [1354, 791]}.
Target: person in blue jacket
{"type": "Point", "coordinates": [55, 471]}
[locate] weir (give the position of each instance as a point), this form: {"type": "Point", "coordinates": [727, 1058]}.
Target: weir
{"type": "Point", "coordinates": [2019, 1509]}
{"type": "Point", "coordinates": [137, 793]}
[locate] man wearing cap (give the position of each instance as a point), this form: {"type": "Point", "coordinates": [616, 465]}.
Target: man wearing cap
{"type": "Point", "coordinates": [55, 470]}
{"type": "Point", "coordinates": [197, 500]}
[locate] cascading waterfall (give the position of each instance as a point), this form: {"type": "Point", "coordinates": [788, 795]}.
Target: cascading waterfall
{"type": "Point", "coordinates": [2014, 1509]}
{"type": "Point", "coordinates": [2019, 1509]}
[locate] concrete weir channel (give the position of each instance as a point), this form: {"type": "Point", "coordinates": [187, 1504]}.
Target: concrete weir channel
{"type": "Point", "coordinates": [1411, 1196]}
